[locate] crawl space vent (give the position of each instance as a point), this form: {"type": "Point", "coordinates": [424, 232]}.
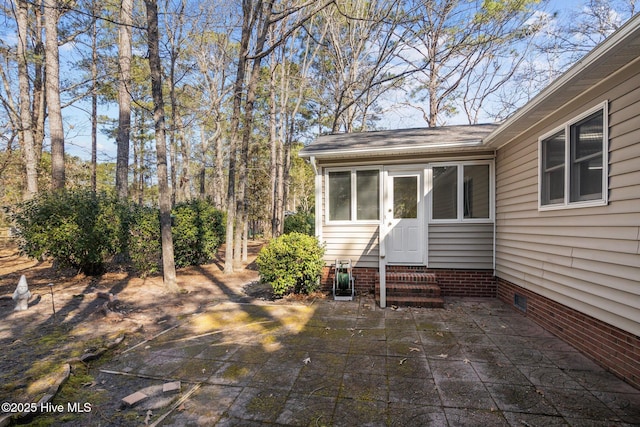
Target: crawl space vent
{"type": "Point", "coordinates": [520, 302]}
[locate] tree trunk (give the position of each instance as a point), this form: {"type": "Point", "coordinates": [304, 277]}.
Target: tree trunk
{"type": "Point", "coordinates": [218, 178]}
{"type": "Point", "coordinates": [38, 111]}
{"type": "Point", "coordinates": [56, 131]}
{"type": "Point", "coordinates": [168, 263]}
{"type": "Point", "coordinates": [247, 20]}
{"type": "Point", "coordinates": [202, 173]}
{"type": "Point", "coordinates": [273, 139]}
{"type": "Point", "coordinates": [184, 181]}
{"type": "Point", "coordinates": [136, 165]}
{"type": "Point", "coordinates": [242, 215]}
{"type": "Point", "coordinates": [26, 127]}
{"type": "Point", "coordinates": [94, 103]}
{"type": "Point", "coordinates": [124, 99]}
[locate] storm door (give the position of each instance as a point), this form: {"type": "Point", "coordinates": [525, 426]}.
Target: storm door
{"type": "Point", "coordinates": [404, 218]}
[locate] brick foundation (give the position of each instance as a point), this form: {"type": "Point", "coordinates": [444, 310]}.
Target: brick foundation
{"type": "Point", "coordinates": [616, 350]}
{"type": "Point", "coordinates": [457, 283]}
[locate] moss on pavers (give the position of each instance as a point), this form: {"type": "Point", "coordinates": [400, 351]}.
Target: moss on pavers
{"type": "Point", "coordinates": [469, 417]}
{"type": "Point", "coordinates": [414, 391]}
{"type": "Point", "coordinates": [520, 398]}
{"type": "Point", "coordinates": [368, 345]}
{"type": "Point", "coordinates": [263, 405]}
{"type": "Point", "coordinates": [250, 354]}
{"type": "Point", "coordinates": [277, 376]}
{"type": "Point", "coordinates": [234, 373]}
{"type": "Point", "coordinates": [311, 383]}
{"type": "Point", "coordinates": [403, 367]}
{"type": "Point", "coordinates": [376, 322]}
{"type": "Point", "coordinates": [403, 414]}
{"type": "Point", "coordinates": [465, 394]}
{"type": "Point", "coordinates": [196, 370]}
{"type": "Point", "coordinates": [404, 349]}
{"type": "Point", "coordinates": [302, 410]}
{"type": "Point", "coordinates": [205, 407]}
{"type": "Point", "coordinates": [218, 351]}
{"type": "Point", "coordinates": [499, 373]}
{"type": "Point", "coordinates": [365, 386]}
{"type": "Point", "coordinates": [366, 363]}
{"type": "Point", "coordinates": [352, 412]}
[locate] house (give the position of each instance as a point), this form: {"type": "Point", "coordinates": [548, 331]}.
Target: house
{"type": "Point", "coordinates": [541, 211]}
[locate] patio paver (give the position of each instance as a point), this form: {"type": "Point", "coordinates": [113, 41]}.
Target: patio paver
{"type": "Point", "coordinates": [475, 362]}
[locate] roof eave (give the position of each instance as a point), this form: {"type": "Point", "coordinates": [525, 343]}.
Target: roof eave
{"type": "Point", "coordinates": [474, 145]}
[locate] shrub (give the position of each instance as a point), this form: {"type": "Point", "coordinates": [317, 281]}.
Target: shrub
{"type": "Point", "coordinates": [291, 263]}
{"type": "Point", "coordinates": [198, 229]}
{"type": "Point", "coordinates": [145, 246]}
{"type": "Point", "coordinates": [77, 228]}
{"type": "Point", "coordinates": [301, 222]}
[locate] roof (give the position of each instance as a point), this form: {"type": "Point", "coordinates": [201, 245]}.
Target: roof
{"type": "Point", "coordinates": [615, 52]}
{"type": "Point", "coordinates": [399, 142]}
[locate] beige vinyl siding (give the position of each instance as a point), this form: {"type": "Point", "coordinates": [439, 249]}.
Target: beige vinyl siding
{"type": "Point", "coordinates": [586, 258]}
{"type": "Point", "coordinates": [356, 242]}
{"type": "Point", "coordinates": [462, 245]}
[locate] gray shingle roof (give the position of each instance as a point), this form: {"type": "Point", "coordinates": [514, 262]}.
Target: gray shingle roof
{"type": "Point", "coordinates": [400, 141]}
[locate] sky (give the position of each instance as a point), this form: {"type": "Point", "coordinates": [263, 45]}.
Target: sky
{"type": "Point", "coordinates": [77, 121]}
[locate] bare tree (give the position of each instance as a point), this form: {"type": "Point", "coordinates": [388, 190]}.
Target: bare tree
{"type": "Point", "coordinates": [464, 46]}
{"type": "Point", "coordinates": [358, 61]}
{"type": "Point", "coordinates": [164, 196]}
{"type": "Point", "coordinates": [562, 39]}
{"type": "Point", "coordinates": [213, 54]}
{"type": "Point", "coordinates": [124, 99]}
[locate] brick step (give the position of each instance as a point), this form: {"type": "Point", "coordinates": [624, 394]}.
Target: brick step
{"type": "Point", "coordinates": [411, 278]}
{"type": "Point", "coordinates": [413, 301]}
{"type": "Point", "coordinates": [404, 289]}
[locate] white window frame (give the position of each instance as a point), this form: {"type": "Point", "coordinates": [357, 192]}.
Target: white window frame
{"type": "Point", "coordinates": [460, 192]}
{"type": "Point", "coordinates": [566, 127]}
{"type": "Point", "coordinates": [354, 208]}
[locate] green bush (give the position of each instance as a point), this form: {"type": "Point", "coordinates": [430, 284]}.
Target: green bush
{"type": "Point", "coordinates": [301, 222]}
{"type": "Point", "coordinates": [198, 229]}
{"type": "Point", "coordinates": [77, 228]}
{"type": "Point", "coordinates": [291, 263]}
{"type": "Point", "coordinates": [145, 246]}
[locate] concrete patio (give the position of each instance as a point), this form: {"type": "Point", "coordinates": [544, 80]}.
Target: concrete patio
{"type": "Point", "coordinates": [475, 362]}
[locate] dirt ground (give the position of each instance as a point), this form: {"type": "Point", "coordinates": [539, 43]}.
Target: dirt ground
{"type": "Point", "coordinates": [72, 325]}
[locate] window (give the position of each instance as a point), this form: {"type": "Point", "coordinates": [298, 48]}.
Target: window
{"type": "Point", "coordinates": [573, 165]}
{"type": "Point", "coordinates": [461, 192]}
{"type": "Point", "coordinates": [353, 195]}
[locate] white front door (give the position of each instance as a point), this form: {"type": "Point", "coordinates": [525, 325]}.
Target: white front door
{"type": "Point", "coordinates": [404, 218]}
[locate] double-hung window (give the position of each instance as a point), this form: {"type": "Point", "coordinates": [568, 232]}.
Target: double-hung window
{"type": "Point", "coordinates": [573, 162]}
{"type": "Point", "coordinates": [353, 195]}
{"type": "Point", "coordinates": [462, 192]}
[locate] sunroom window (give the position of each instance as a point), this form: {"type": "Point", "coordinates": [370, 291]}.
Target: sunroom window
{"type": "Point", "coordinates": [354, 195]}
{"type": "Point", "coordinates": [573, 163]}
{"type": "Point", "coordinates": [461, 192]}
